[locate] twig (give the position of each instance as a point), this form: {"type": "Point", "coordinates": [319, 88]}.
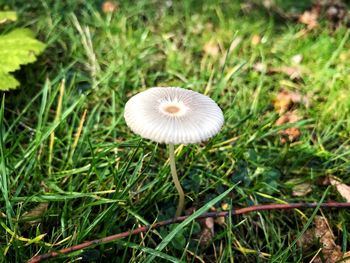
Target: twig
{"type": "Point", "coordinates": [142, 229]}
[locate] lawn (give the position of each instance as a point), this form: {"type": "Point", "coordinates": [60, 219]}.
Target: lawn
{"type": "Point", "coordinates": [72, 171]}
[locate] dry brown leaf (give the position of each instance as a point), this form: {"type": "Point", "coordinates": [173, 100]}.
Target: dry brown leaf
{"type": "Point", "coordinates": [336, 12]}
{"type": "Point", "coordinates": [286, 99]}
{"type": "Point", "coordinates": [109, 7]}
{"type": "Point", "coordinates": [211, 48]}
{"type": "Point", "coordinates": [205, 237]}
{"type": "Point", "coordinates": [307, 240]}
{"type": "Point", "coordinates": [322, 234]}
{"type": "Point", "coordinates": [291, 134]}
{"type": "Point", "coordinates": [294, 72]}
{"type": "Point", "coordinates": [309, 18]}
{"type": "Point", "coordinates": [323, 181]}
{"type": "Point", "coordinates": [346, 257]}
{"type": "Point", "coordinates": [288, 117]}
{"type": "Point", "coordinates": [35, 214]}
{"type": "Point", "coordinates": [207, 230]}
{"type": "Point", "coordinates": [331, 251]}
{"type": "Point", "coordinates": [343, 189]}
{"type": "Point", "coordinates": [283, 104]}
{"type": "Point", "coordinates": [256, 39]}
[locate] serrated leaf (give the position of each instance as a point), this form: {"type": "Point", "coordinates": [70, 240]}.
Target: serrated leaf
{"type": "Point", "coordinates": [7, 16]}
{"type": "Point", "coordinates": [18, 47]}
{"type": "Point", "coordinates": [7, 82]}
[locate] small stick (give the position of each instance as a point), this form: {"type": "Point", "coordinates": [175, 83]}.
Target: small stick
{"type": "Point", "coordinates": [142, 229]}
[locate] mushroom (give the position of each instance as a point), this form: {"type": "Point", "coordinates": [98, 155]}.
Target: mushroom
{"type": "Point", "coordinates": [173, 115]}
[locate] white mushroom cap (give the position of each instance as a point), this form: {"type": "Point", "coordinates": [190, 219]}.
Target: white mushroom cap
{"type": "Point", "coordinates": [173, 115]}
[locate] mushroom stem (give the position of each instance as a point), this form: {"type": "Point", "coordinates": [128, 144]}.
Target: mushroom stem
{"type": "Point", "coordinates": [176, 180]}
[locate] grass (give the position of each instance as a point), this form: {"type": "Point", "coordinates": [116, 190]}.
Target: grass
{"type": "Point", "coordinates": [67, 177]}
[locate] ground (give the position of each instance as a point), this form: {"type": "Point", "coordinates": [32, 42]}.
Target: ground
{"type": "Point", "coordinates": [73, 171]}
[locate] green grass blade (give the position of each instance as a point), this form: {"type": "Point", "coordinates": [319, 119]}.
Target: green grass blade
{"type": "Point", "coordinates": [192, 217]}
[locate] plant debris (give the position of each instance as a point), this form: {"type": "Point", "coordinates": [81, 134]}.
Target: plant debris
{"type": "Point", "coordinates": [290, 134]}
{"type": "Point", "coordinates": [211, 48]}
{"type": "Point", "coordinates": [256, 40]}
{"type": "Point", "coordinates": [310, 17]}
{"type": "Point", "coordinates": [302, 189]}
{"type": "Point", "coordinates": [294, 72]}
{"type": "Point", "coordinates": [284, 104]}
{"type": "Point", "coordinates": [109, 7]}
{"type": "Point", "coordinates": [322, 236]}
{"type": "Point", "coordinates": [34, 215]}
{"type": "Point", "coordinates": [297, 59]}
{"type": "Point", "coordinates": [343, 189]}
{"type": "Point", "coordinates": [334, 11]}
{"type": "Point", "coordinates": [207, 231]}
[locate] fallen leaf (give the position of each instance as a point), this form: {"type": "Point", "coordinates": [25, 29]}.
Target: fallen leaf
{"type": "Point", "coordinates": [331, 251]}
{"type": "Point", "coordinates": [211, 48]}
{"type": "Point", "coordinates": [290, 135]}
{"type": "Point", "coordinates": [321, 234]}
{"type": "Point", "coordinates": [343, 189]}
{"type": "Point", "coordinates": [256, 39]}
{"type": "Point", "coordinates": [109, 7]}
{"type": "Point", "coordinates": [282, 103]}
{"type": "Point", "coordinates": [288, 117]}
{"type": "Point", "coordinates": [260, 67]}
{"type": "Point", "coordinates": [336, 12]}
{"type": "Point", "coordinates": [293, 72]}
{"type": "Point", "coordinates": [286, 99]}
{"type": "Point", "coordinates": [207, 230]}
{"type": "Point", "coordinates": [296, 59]}
{"type": "Point", "coordinates": [323, 181]}
{"type": "Point", "coordinates": [302, 189]}
{"type": "Point", "coordinates": [310, 17]}
{"type": "Point", "coordinates": [268, 3]}
{"type": "Point", "coordinates": [346, 257]}
{"type": "Point", "coordinates": [307, 240]}
{"type": "Point", "coordinates": [34, 215]}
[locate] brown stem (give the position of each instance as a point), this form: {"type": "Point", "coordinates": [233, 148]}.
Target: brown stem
{"type": "Point", "coordinates": [238, 211]}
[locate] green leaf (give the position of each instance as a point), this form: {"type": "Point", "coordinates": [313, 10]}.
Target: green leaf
{"type": "Point", "coordinates": [7, 16]}
{"type": "Point", "coordinates": [179, 240]}
{"type": "Point", "coordinates": [7, 82]}
{"type": "Point", "coordinates": [19, 47]}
